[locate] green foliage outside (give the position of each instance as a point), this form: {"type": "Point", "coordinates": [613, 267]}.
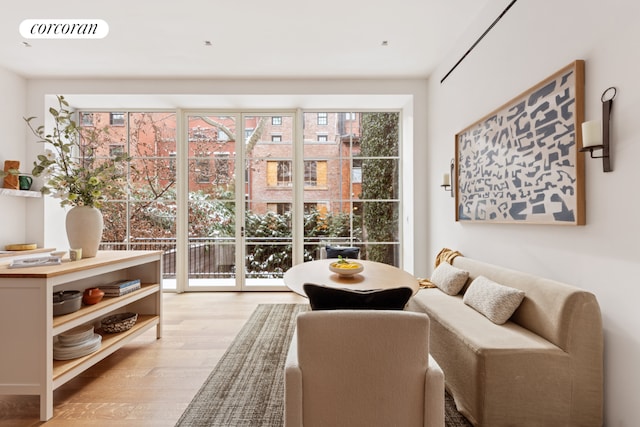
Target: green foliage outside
{"type": "Point", "coordinates": [213, 215]}
{"type": "Point", "coordinates": [379, 182]}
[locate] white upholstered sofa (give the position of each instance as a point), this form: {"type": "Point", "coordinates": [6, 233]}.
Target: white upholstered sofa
{"type": "Point", "coordinates": [542, 367]}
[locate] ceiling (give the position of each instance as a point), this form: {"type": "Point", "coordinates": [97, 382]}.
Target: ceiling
{"type": "Point", "coordinates": [247, 39]}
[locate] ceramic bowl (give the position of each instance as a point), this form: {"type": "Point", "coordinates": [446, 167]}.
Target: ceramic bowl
{"type": "Point", "coordinates": [58, 254]}
{"type": "Point", "coordinates": [92, 296]}
{"type": "Point", "coordinates": [78, 335]}
{"type": "Point", "coordinates": [347, 269]}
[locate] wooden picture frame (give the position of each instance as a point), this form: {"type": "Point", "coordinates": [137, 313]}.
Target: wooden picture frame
{"type": "Point", "coordinates": [521, 163]}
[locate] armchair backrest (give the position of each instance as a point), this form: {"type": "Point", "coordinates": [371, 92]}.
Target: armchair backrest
{"type": "Point", "coordinates": [363, 367]}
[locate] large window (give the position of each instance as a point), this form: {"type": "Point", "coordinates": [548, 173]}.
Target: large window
{"type": "Point", "coordinates": [146, 219]}
{"type": "Point", "coordinates": [348, 171]}
{"type": "Point", "coordinates": [361, 198]}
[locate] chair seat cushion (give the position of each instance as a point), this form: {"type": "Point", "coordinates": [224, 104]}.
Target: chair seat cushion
{"type": "Point", "coordinates": [327, 298]}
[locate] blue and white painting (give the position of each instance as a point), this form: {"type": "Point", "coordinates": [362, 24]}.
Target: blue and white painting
{"type": "Point", "coordinates": [521, 164]}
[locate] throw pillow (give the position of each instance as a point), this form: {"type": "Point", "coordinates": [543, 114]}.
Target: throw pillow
{"type": "Point", "coordinates": [449, 279]}
{"type": "Point", "coordinates": [344, 252]}
{"type": "Point", "coordinates": [326, 298]}
{"type": "Point", "coordinates": [496, 302]}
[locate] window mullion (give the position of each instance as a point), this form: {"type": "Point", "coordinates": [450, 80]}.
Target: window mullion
{"type": "Point", "coordinates": [298, 189]}
{"type": "Point", "coordinates": [182, 202]}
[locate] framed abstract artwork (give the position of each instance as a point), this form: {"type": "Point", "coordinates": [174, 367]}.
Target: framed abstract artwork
{"type": "Point", "coordinates": [521, 163]}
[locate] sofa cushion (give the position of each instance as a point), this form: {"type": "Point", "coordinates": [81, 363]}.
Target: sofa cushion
{"type": "Point", "coordinates": [496, 302]}
{"type": "Point", "coordinates": [449, 279]}
{"type": "Point", "coordinates": [327, 298]}
{"type": "Point", "coordinates": [344, 252]}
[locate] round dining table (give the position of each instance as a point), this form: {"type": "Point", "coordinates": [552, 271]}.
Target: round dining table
{"type": "Point", "coordinates": [375, 275]}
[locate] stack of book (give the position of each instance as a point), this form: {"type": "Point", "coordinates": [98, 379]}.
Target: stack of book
{"type": "Point", "coordinates": [120, 287]}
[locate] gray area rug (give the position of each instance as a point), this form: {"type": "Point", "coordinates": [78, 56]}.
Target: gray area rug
{"type": "Point", "coordinates": [246, 388]}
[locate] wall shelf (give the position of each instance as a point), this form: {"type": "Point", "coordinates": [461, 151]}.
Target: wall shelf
{"type": "Point", "coordinates": [19, 193]}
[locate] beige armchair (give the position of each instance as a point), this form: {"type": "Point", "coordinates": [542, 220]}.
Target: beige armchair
{"type": "Point", "coordinates": [362, 368]}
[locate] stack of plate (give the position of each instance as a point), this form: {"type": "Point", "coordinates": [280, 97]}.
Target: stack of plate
{"type": "Point", "coordinates": [76, 342]}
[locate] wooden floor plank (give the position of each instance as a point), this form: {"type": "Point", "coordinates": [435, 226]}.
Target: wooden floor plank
{"type": "Point", "coordinates": [150, 381]}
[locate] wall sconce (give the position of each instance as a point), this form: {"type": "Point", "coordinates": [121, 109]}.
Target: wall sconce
{"type": "Point", "coordinates": [595, 134]}
{"type": "Point", "coordinates": [446, 178]}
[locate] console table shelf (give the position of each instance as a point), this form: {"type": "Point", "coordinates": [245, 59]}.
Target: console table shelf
{"type": "Point", "coordinates": [29, 327]}
{"type": "Point", "coordinates": [107, 305]}
{"type": "Point", "coordinates": [64, 370]}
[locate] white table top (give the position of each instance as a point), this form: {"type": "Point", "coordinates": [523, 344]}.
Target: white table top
{"type": "Point", "coordinates": [375, 275]}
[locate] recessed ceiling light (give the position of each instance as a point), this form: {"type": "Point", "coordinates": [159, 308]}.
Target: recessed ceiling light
{"type": "Point", "coordinates": [385, 42]}
{"type": "Point", "coordinates": [208, 43]}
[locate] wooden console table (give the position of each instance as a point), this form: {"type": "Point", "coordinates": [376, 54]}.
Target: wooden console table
{"type": "Point", "coordinates": [28, 326]}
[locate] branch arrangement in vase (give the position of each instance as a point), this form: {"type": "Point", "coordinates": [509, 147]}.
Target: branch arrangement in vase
{"type": "Point", "coordinates": [71, 168]}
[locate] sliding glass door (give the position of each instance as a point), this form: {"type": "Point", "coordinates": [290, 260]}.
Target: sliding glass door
{"type": "Point", "coordinates": [239, 200]}
{"type": "Point", "coordinates": [212, 202]}
{"type": "Point", "coordinates": [269, 198]}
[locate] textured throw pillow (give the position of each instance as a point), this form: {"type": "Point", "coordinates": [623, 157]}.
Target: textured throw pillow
{"type": "Point", "coordinates": [496, 302]}
{"type": "Point", "coordinates": [326, 298]}
{"type": "Point", "coordinates": [449, 279]}
{"type": "Point", "coordinates": [344, 252]}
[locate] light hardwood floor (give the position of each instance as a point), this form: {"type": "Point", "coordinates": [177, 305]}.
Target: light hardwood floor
{"type": "Point", "coordinates": [151, 381]}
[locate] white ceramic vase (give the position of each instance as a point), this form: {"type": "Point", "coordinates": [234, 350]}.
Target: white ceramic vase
{"type": "Point", "coordinates": [84, 226]}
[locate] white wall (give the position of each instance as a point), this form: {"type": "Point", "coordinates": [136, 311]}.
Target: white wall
{"type": "Point", "coordinates": [531, 42]}
{"type": "Point", "coordinates": [13, 210]}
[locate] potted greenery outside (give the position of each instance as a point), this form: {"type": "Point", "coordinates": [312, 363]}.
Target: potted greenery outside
{"type": "Point", "coordinates": [72, 171]}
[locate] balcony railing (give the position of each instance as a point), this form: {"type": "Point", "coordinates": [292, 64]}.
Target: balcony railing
{"type": "Point", "coordinates": [214, 258]}
{"type": "Point", "coordinates": [208, 258]}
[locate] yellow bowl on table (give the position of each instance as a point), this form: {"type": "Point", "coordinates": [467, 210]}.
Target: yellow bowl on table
{"type": "Point", "coordinates": [346, 268]}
